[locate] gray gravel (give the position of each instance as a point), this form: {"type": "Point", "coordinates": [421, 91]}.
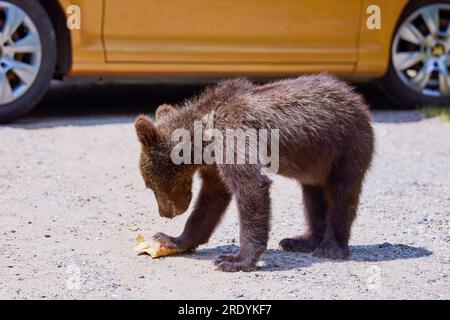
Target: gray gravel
{"type": "Point", "coordinates": [72, 201]}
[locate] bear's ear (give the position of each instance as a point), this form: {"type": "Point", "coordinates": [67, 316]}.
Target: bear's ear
{"type": "Point", "coordinates": [163, 110]}
{"type": "Point", "coordinates": [146, 131]}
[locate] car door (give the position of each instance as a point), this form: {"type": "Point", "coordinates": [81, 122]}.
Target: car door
{"type": "Point", "coordinates": [231, 31]}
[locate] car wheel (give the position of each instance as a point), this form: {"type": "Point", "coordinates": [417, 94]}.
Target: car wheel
{"type": "Point", "coordinates": [27, 56]}
{"type": "Point", "coordinates": [420, 56]}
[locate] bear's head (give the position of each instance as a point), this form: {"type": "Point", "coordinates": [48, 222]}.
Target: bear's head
{"type": "Point", "coordinates": [171, 183]}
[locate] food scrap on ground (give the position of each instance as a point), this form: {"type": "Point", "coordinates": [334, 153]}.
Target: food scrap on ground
{"type": "Point", "coordinates": [154, 249]}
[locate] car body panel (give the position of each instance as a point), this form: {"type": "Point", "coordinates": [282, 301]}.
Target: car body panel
{"type": "Point", "coordinates": [231, 31]}
{"type": "Point", "coordinates": [375, 45]}
{"type": "Point", "coordinates": [230, 37]}
{"type": "Point", "coordinates": [87, 42]}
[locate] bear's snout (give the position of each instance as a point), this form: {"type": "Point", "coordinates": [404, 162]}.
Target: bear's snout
{"type": "Point", "coordinates": [169, 211]}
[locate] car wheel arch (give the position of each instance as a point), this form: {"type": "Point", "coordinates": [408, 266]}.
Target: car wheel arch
{"type": "Point", "coordinates": [63, 39]}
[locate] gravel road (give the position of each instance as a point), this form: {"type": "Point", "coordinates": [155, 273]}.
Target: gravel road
{"type": "Point", "coordinates": [72, 201]}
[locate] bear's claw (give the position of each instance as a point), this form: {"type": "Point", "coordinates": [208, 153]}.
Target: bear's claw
{"type": "Point", "coordinates": [331, 250]}
{"type": "Point", "coordinates": [233, 263]}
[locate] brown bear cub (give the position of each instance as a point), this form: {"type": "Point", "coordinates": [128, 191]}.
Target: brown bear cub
{"type": "Point", "coordinates": [325, 142]}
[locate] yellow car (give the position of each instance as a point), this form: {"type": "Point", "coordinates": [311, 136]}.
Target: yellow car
{"type": "Point", "coordinates": [405, 44]}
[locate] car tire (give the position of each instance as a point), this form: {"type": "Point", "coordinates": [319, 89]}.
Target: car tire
{"type": "Point", "coordinates": [406, 84]}
{"type": "Point", "coordinates": [26, 73]}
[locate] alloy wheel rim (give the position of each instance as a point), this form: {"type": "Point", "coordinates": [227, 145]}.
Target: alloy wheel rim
{"type": "Point", "coordinates": [20, 52]}
{"type": "Point", "coordinates": [421, 51]}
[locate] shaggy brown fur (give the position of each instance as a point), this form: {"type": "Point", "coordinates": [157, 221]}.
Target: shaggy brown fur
{"type": "Point", "coordinates": [326, 144]}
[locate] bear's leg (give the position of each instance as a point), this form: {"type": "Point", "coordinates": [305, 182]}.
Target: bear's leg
{"type": "Point", "coordinates": [342, 200]}
{"type": "Point", "coordinates": [253, 199]}
{"type": "Point", "coordinates": [315, 210]}
{"type": "Point", "coordinates": [211, 204]}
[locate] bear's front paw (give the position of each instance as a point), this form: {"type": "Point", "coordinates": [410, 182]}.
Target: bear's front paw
{"type": "Point", "coordinates": [166, 241]}
{"type": "Point", "coordinates": [233, 263]}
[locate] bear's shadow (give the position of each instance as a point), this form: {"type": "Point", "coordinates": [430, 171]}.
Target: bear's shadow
{"type": "Point", "coordinates": [278, 260]}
